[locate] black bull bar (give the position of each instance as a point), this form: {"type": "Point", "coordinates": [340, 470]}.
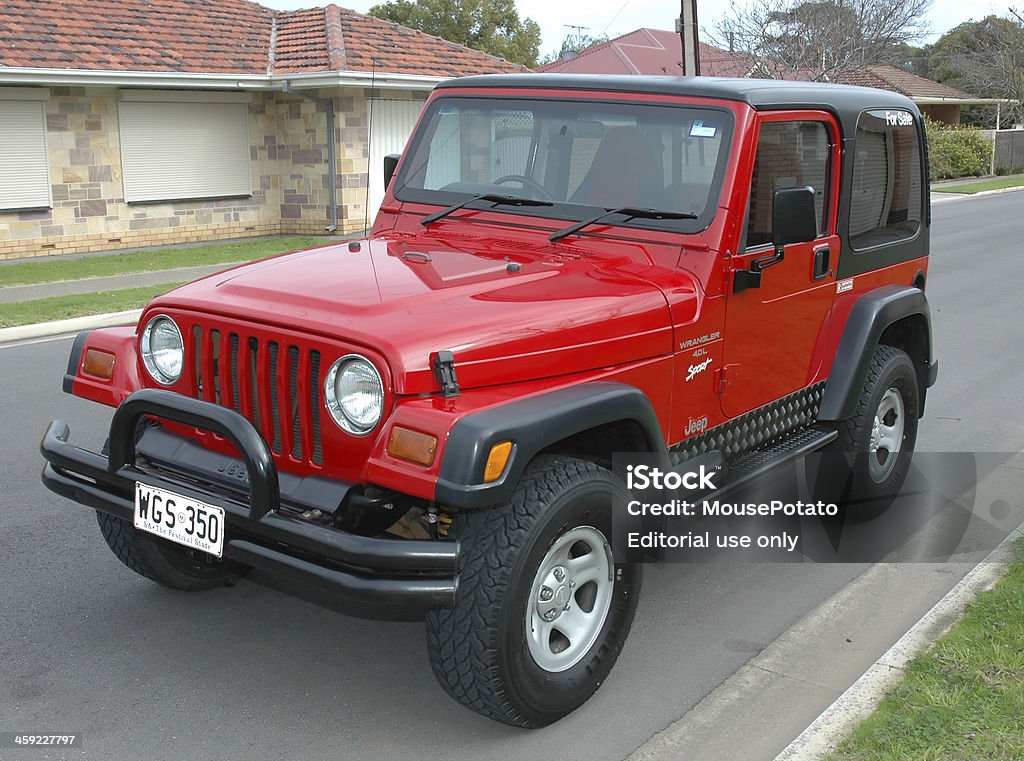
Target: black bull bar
{"type": "Point", "coordinates": [370, 576]}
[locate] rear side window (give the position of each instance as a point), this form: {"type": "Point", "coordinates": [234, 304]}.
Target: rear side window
{"type": "Point", "coordinates": [887, 200]}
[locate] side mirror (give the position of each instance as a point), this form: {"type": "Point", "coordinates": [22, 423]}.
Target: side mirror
{"type": "Point", "coordinates": [390, 162]}
{"type": "Point", "coordinates": [794, 219]}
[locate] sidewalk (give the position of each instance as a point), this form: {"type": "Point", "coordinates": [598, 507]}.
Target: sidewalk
{"type": "Point", "coordinates": [17, 293]}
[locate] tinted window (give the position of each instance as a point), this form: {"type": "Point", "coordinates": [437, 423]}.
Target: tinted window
{"type": "Point", "coordinates": [886, 200]}
{"type": "Point", "coordinates": [789, 155]}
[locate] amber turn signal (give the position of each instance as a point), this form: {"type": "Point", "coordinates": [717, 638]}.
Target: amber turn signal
{"type": "Point", "coordinates": [496, 461]}
{"type": "Point", "coordinates": [412, 446]}
{"type": "Point", "coordinates": [98, 364]}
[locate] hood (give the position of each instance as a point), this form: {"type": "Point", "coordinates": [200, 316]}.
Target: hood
{"type": "Point", "coordinates": [509, 310]}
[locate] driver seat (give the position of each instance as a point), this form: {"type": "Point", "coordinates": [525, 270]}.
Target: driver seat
{"type": "Point", "coordinates": [623, 172]}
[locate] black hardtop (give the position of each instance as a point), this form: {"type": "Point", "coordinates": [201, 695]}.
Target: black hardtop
{"type": "Point", "coordinates": [846, 101]}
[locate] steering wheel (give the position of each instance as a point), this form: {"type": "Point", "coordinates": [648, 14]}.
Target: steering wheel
{"type": "Point", "coordinates": [525, 182]}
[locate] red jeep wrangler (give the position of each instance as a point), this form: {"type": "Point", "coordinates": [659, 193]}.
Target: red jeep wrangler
{"type": "Point", "coordinates": [564, 267]}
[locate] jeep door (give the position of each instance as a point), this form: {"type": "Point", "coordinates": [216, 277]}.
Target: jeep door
{"type": "Point", "coordinates": [775, 322]}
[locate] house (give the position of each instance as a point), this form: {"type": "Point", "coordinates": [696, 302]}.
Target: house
{"type": "Point", "coordinates": [129, 124]}
{"type": "Point", "coordinates": [936, 100]}
{"type": "Point", "coordinates": [648, 51]}
{"type": "Point", "coordinates": [656, 51]}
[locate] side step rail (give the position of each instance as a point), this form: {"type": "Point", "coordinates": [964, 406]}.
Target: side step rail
{"type": "Point", "coordinates": [788, 450]}
{"type": "Point", "coordinates": [758, 464]}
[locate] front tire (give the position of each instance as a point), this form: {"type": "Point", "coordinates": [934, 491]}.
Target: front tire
{"type": "Point", "coordinates": [542, 610]}
{"type": "Point", "coordinates": [868, 464]}
{"type": "Point", "coordinates": [164, 562]}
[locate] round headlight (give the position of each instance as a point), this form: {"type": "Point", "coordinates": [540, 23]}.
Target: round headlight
{"type": "Point", "coordinates": [355, 394]}
{"type": "Point", "coordinates": [163, 352]}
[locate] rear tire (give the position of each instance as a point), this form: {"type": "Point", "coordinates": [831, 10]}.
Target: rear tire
{"type": "Point", "coordinates": [542, 609]}
{"type": "Point", "coordinates": [164, 562]}
{"type": "Point", "coordinates": [865, 469]}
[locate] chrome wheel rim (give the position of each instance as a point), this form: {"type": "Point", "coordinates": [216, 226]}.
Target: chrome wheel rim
{"type": "Point", "coordinates": [569, 599]}
{"type": "Point", "coordinates": [886, 435]}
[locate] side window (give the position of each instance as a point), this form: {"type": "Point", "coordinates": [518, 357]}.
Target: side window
{"type": "Point", "coordinates": [886, 200]}
{"type": "Point", "coordinates": [789, 155]}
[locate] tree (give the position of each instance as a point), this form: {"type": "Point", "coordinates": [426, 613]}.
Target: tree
{"type": "Point", "coordinates": [819, 39]}
{"type": "Point", "coordinates": [492, 26]}
{"type": "Point", "coordinates": [984, 58]}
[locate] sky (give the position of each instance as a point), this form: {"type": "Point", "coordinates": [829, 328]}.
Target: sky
{"type": "Point", "coordinates": [617, 17]}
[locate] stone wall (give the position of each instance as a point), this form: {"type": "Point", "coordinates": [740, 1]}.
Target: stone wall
{"type": "Point", "coordinates": [89, 212]}
{"type": "Point", "coordinates": [289, 167]}
{"type": "Point", "coordinates": [305, 205]}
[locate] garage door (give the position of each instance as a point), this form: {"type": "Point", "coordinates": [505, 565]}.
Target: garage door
{"type": "Point", "coordinates": [391, 123]}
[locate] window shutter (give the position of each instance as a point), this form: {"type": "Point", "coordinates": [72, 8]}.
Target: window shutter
{"type": "Point", "coordinates": [24, 168]}
{"type": "Point", "coordinates": [174, 151]}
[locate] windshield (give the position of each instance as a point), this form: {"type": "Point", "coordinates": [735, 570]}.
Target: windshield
{"type": "Point", "coordinates": [581, 156]}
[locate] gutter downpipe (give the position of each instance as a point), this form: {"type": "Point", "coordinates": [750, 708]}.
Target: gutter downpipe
{"type": "Point", "coordinates": [332, 158]}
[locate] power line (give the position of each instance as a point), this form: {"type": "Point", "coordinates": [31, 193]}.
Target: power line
{"type": "Point", "coordinates": [620, 10]}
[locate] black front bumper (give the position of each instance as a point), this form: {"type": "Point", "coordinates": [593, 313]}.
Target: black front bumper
{"type": "Point", "coordinates": [372, 577]}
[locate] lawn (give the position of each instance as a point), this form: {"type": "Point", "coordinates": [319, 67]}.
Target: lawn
{"type": "Point", "coordinates": [64, 307]}
{"type": "Point", "coordinates": [150, 260]}
{"type": "Point", "coordinates": [963, 699]}
{"type": "Point", "coordinates": [970, 188]}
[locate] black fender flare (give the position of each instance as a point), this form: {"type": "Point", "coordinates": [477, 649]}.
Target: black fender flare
{"type": "Point", "coordinates": [873, 313]}
{"type": "Point", "coordinates": [75, 361]}
{"type": "Point", "coordinates": [532, 424]}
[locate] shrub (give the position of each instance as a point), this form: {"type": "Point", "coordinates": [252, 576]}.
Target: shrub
{"type": "Point", "coordinates": [957, 151]}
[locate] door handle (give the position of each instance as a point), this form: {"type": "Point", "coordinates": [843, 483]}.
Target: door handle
{"type": "Point", "coordinates": [822, 260]}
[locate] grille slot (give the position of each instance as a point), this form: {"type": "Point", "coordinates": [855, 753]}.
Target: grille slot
{"type": "Point", "coordinates": [293, 398]}
{"type": "Point", "coordinates": [314, 392]}
{"type": "Point", "coordinates": [236, 395]}
{"type": "Point", "coordinates": [275, 385]}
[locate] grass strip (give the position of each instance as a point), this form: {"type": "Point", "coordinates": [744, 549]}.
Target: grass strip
{"type": "Point", "coordinates": [970, 188]}
{"type": "Point", "coordinates": [37, 272]}
{"type": "Point", "coordinates": [65, 307]}
{"type": "Point", "coordinates": [962, 700]}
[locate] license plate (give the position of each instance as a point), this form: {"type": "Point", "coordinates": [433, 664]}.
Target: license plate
{"type": "Point", "coordinates": [179, 519]}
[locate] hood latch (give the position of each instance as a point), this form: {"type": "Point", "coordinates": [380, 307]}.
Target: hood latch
{"type": "Point", "coordinates": [443, 364]}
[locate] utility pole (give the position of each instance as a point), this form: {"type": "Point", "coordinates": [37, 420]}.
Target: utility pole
{"type": "Point", "coordinates": [686, 25]}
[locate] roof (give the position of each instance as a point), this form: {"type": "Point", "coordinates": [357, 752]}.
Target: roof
{"type": "Point", "coordinates": [847, 102]}
{"type": "Point", "coordinates": [758, 93]}
{"type": "Point", "coordinates": [648, 51]}
{"type": "Point", "coordinates": [898, 80]}
{"type": "Point", "coordinates": [222, 37]}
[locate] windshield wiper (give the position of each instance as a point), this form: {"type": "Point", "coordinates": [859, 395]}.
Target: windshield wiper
{"type": "Point", "coordinates": [628, 211]}
{"type": "Point", "coordinates": [494, 198]}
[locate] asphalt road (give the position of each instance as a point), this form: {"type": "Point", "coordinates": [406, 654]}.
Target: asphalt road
{"type": "Point", "coordinates": [250, 673]}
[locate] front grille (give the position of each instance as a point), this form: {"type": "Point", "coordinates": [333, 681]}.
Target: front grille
{"type": "Point", "coordinates": [275, 384]}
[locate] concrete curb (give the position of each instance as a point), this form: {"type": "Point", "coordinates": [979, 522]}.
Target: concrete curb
{"type": "Point", "coordinates": [837, 721]}
{"type": "Point", "coordinates": [60, 327]}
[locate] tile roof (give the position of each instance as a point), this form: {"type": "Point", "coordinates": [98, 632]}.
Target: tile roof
{"type": "Point", "coordinates": [401, 50]}
{"type": "Point", "coordinates": [222, 37]}
{"type": "Point", "coordinates": [648, 51]}
{"type": "Point", "coordinates": [226, 36]}
{"type": "Point", "coordinates": [898, 80]}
